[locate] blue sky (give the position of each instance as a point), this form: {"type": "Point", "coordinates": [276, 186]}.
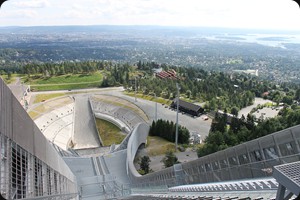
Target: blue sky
{"type": "Point", "coordinates": [259, 14]}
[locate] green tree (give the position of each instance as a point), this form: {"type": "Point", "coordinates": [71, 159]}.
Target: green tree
{"type": "Point", "coordinates": [8, 75]}
{"type": "Point", "coordinates": [188, 93]}
{"type": "Point", "coordinates": [234, 111]}
{"type": "Point", "coordinates": [170, 159]}
{"type": "Point", "coordinates": [144, 164]}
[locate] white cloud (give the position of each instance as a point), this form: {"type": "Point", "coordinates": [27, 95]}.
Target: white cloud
{"type": "Point", "coordinates": [31, 4]}
{"type": "Point", "coordinates": [19, 14]}
{"type": "Point", "coordinates": [280, 14]}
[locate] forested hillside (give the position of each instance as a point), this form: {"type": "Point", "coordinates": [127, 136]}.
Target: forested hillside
{"type": "Point", "coordinates": [222, 136]}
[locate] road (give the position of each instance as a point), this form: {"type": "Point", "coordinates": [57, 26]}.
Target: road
{"type": "Point", "coordinates": [193, 124]}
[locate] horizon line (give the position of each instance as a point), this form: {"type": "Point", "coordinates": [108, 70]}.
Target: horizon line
{"type": "Point", "coordinates": [160, 26]}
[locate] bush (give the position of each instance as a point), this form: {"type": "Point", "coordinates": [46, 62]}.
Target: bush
{"type": "Point", "coordinates": [167, 130]}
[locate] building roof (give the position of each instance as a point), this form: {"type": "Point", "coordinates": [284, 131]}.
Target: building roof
{"type": "Point", "coordinates": [187, 105]}
{"type": "Point", "coordinates": [171, 74]}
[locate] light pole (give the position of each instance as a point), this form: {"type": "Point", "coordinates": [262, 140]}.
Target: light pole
{"type": "Point", "coordinates": [135, 89]}
{"type": "Point", "coordinates": [176, 136]}
{"type": "Point", "coordinates": [155, 108]}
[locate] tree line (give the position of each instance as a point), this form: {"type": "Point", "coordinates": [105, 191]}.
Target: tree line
{"type": "Point", "coordinates": [245, 129]}
{"type": "Point", "coordinates": [56, 69]}
{"type": "Point", "coordinates": [167, 130]}
{"type": "Point", "coordinates": [217, 89]}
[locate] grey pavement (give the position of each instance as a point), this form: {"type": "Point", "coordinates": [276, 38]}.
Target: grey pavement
{"type": "Point", "coordinates": [267, 112]}
{"type": "Point", "coordinates": [193, 124]}
{"type": "Point", "coordinates": [157, 165]}
{"type": "Point", "coordinates": [85, 131]}
{"type": "Point", "coordinates": [90, 90]}
{"type": "Point", "coordinates": [248, 109]}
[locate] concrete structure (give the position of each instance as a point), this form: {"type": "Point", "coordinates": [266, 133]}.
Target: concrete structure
{"type": "Point", "coordinates": [32, 168]}
{"type": "Point", "coordinates": [21, 92]}
{"type": "Point", "coordinates": [85, 123]}
{"type": "Point", "coordinates": [57, 125]}
{"type": "Point", "coordinates": [124, 118]}
{"type": "Point", "coordinates": [253, 159]}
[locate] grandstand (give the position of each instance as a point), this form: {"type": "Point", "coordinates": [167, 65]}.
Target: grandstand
{"type": "Point", "coordinates": [33, 168]}
{"type": "Point", "coordinates": [57, 125]}
{"type": "Point", "coordinates": [122, 115]}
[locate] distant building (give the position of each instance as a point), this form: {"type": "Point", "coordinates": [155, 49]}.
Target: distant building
{"type": "Point", "coordinates": [265, 94]}
{"type": "Point", "coordinates": [248, 71]}
{"type": "Point", "coordinates": [187, 107]}
{"type": "Point", "coordinates": [157, 70]}
{"type": "Point", "coordinates": [170, 74]}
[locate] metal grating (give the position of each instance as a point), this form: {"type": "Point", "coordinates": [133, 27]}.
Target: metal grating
{"type": "Point", "coordinates": [288, 175]}
{"type": "Point", "coordinates": [242, 185]}
{"type": "Point", "coordinates": [291, 171]}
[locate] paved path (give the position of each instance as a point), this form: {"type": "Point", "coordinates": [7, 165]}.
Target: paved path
{"type": "Point", "coordinates": [157, 165]}
{"type": "Point", "coordinates": [85, 131]}
{"type": "Point", "coordinates": [247, 110]}
{"type": "Point", "coordinates": [193, 124]}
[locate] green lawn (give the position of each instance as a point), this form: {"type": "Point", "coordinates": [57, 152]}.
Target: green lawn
{"type": "Point", "coordinates": [150, 98]}
{"type": "Point", "coordinates": [109, 133]}
{"type": "Point", "coordinates": [158, 146]}
{"type": "Point", "coordinates": [64, 86]}
{"type": "Point", "coordinates": [33, 114]}
{"type": "Point", "coordinates": [65, 82]}
{"type": "Point", "coordinates": [11, 80]}
{"type": "Point", "coordinates": [41, 97]}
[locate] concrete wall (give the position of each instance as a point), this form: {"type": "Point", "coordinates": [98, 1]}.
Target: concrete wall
{"type": "Point", "coordinates": [15, 124]}
{"type": "Point", "coordinates": [245, 161]}
{"type": "Point", "coordinates": [137, 138]}
{"type": "Point", "coordinates": [121, 125]}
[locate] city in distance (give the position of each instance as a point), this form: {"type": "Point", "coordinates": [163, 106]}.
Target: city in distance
{"type": "Point", "coordinates": [275, 54]}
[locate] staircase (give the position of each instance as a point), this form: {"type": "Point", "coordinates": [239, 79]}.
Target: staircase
{"type": "Point", "coordinates": [95, 180]}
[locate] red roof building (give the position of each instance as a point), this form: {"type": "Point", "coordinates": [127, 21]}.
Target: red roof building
{"type": "Point", "coordinates": [170, 74]}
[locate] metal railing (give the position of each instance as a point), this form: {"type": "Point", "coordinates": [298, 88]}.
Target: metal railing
{"type": "Point", "coordinates": [24, 176]}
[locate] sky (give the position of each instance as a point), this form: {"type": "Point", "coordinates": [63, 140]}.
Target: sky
{"type": "Point", "coordinates": [250, 14]}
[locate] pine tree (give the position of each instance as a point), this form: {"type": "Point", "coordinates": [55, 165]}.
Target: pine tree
{"type": "Point", "coordinates": [144, 164]}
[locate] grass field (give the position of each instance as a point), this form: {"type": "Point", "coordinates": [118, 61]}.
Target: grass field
{"type": "Point", "coordinates": [41, 97]}
{"type": "Point", "coordinates": [109, 133]}
{"type": "Point", "coordinates": [66, 82]}
{"type": "Point", "coordinates": [158, 146]}
{"type": "Point", "coordinates": [11, 80]}
{"type": "Point", "coordinates": [33, 114]}
{"type": "Point", "coordinates": [150, 98]}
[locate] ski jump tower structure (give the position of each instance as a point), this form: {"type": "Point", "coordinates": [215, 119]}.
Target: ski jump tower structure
{"type": "Point", "coordinates": [31, 167]}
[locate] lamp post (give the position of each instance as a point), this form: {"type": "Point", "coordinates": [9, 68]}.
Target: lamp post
{"type": "Point", "coordinates": [135, 89]}
{"type": "Point", "coordinates": [176, 136]}
{"type": "Point", "coordinates": [155, 108]}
